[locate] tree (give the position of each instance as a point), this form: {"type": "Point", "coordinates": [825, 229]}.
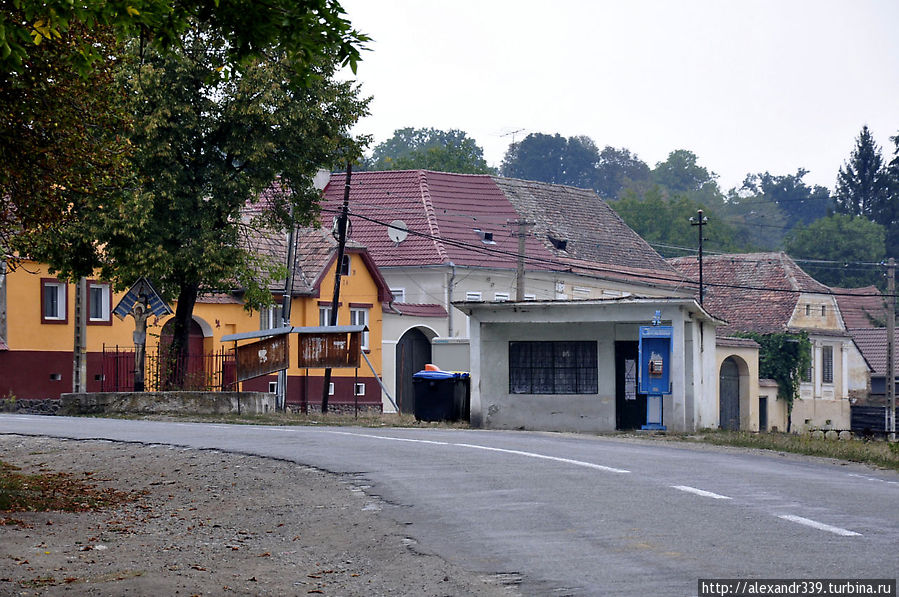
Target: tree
{"type": "Point", "coordinates": [553, 159]}
{"type": "Point", "coordinates": [65, 125]}
{"type": "Point", "coordinates": [862, 184]}
{"type": "Point", "coordinates": [890, 215]}
{"type": "Point", "coordinates": [617, 170]}
{"type": "Point", "coordinates": [799, 202]}
{"type": "Point", "coordinates": [207, 144]}
{"type": "Point", "coordinates": [305, 31]}
{"type": "Point", "coordinates": [61, 141]}
{"type": "Point", "coordinates": [681, 173]}
{"type": "Point", "coordinates": [847, 240]}
{"type": "Point", "coordinates": [665, 222]}
{"type": "Point", "coordinates": [429, 149]}
{"type": "Point", "coordinates": [758, 222]}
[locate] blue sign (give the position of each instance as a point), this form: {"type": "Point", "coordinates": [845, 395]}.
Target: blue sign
{"type": "Point", "coordinates": [144, 292]}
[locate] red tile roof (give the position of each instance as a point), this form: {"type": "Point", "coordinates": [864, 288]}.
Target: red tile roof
{"type": "Point", "coordinates": [419, 310]}
{"type": "Point", "coordinates": [873, 344]}
{"type": "Point", "coordinates": [444, 213]}
{"type": "Point", "coordinates": [753, 292]}
{"type": "Point", "coordinates": [861, 307]}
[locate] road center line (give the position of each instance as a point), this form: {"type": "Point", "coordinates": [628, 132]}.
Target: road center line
{"type": "Point", "coordinates": [819, 525]}
{"type": "Point", "coordinates": [702, 492]}
{"type": "Point", "coordinates": [598, 467]}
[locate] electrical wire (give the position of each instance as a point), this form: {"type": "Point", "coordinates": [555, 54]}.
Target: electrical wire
{"type": "Point", "coordinates": [566, 267]}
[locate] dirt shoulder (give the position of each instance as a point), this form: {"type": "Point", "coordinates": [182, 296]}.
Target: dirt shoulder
{"type": "Point", "coordinates": [212, 523]}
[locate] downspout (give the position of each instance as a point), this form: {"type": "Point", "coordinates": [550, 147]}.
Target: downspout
{"type": "Point", "coordinates": [449, 299]}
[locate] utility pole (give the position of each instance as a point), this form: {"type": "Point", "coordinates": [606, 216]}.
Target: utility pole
{"type": "Point", "coordinates": [891, 348]}
{"type": "Point", "coordinates": [700, 221]}
{"type": "Point", "coordinates": [79, 362]}
{"type": "Point", "coordinates": [341, 249]}
{"type": "Point", "coordinates": [519, 275]}
{"type": "Point", "coordinates": [285, 307]}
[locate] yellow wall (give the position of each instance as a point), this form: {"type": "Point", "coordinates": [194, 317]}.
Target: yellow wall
{"type": "Point", "coordinates": [27, 332]}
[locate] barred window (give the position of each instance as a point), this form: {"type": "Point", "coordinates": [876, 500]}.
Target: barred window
{"type": "Point", "coordinates": [553, 368]}
{"type": "Point", "coordinates": [827, 364]}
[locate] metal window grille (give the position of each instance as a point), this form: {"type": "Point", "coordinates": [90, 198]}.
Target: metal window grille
{"type": "Point", "coordinates": [553, 367]}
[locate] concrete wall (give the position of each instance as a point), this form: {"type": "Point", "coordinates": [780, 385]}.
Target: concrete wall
{"type": "Point", "coordinates": [602, 321]}
{"type": "Point", "coordinates": [167, 403]}
{"type": "Point", "coordinates": [497, 408]}
{"type": "Point", "coordinates": [820, 414]}
{"type": "Point", "coordinates": [451, 354]}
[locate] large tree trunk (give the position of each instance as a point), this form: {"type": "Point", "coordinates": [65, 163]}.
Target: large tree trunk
{"type": "Point", "coordinates": [179, 350]}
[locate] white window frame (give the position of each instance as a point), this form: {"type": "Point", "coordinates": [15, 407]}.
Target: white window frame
{"type": "Point", "coordinates": [399, 295]}
{"type": "Point", "coordinates": [331, 389]}
{"type": "Point", "coordinates": [324, 315]}
{"type": "Point", "coordinates": [271, 317]}
{"type": "Point", "coordinates": [60, 291]}
{"type": "Point", "coordinates": [473, 295]}
{"type": "Point", "coordinates": [105, 301]}
{"type": "Point", "coordinates": [530, 297]}
{"type": "Point", "coordinates": [359, 316]}
{"type": "Point", "coordinates": [501, 297]}
{"type": "Point", "coordinates": [359, 389]}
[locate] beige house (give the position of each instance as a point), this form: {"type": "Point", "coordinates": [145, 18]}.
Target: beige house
{"type": "Point", "coordinates": [769, 293]}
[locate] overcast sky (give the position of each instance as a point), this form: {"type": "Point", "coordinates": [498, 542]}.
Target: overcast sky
{"type": "Point", "coordinates": [748, 86]}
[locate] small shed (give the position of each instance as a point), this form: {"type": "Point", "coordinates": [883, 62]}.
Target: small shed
{"type": "Point", "coordinates": [571, 365]}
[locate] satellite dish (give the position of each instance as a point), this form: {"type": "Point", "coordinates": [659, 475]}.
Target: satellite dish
{"type": "Point", "coordinates": [397, 231]}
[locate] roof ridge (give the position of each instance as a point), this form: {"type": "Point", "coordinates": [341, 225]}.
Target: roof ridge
{"type": "Point", "coordinates": [433, 228]}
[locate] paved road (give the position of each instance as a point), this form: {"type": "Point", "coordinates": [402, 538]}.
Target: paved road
{"type": "Point", "coordinates": [577, 515]}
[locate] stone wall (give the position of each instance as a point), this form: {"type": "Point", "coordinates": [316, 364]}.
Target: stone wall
{"type": "Point", "coordinates": [248, 403]}
{"type": "Point", "coordinates": [29, 407]}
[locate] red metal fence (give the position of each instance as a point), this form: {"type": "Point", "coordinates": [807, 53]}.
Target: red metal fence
{"type": "Point", "coordinates": [215, 371]}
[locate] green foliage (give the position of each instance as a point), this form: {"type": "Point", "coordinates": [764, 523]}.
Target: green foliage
{"type": "Point", "coordinates": [783, 357]}
{"type": "Point", "coordinates": [305, 31]}
{"type": "Point", "coordinates": [61, 144]}
{"type": "Point", "coordinates": [617, 170]}
{"type": "Point", "coordinates": [63, 139]}
{"type": "Point", "coordinates": [429, 149]}
{"type": "Point", "coordinates": [862, 188]}
{"type": "Point", "coordinates": [758, 222]}
{"type": "Point", "coordinates": [681, 173]}
{"type": "Point", "coordinates": [800, 203]}
{"type": "Point", "coordinates": [842, 238]}
{"type": "Point", "coordinates": [663, 221]}
{"type": "Point", "coordinates": [553, 159]}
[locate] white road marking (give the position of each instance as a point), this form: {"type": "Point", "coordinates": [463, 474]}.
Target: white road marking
{"type": "Point", "coordinates": [702, 492]}
{"type": "Point", "coordinates": [874, 479]}
{"type": "Point", "coordinates": [819, 525]}
{"type": "Point", "coordinates": [598, 467]}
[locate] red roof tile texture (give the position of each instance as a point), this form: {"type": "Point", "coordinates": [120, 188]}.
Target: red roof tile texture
{"type": "Point", "coordinates": [471, 220]}
{"type": "Point", "coordinates": [873, 344]}
{"type": "Point", "coordinates": [753, 292]}
{"type": "Point", "coordinates": [861, 307]}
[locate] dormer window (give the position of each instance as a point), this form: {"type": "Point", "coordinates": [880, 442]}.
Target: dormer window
{"type": "Point", "coordinates": [559, 243]}
{"type": "Point", "coordinates": [486, 237]}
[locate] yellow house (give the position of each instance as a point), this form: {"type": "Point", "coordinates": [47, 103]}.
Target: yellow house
{"type": "Point", "coordinates": [37, 328]}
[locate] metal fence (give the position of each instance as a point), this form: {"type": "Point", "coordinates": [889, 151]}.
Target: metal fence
{"type": "Point", "coordinates": [215, 371]}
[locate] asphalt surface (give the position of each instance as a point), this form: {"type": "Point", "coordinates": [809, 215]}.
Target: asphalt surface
{"type": "Point", "coordinates": [578, 515]}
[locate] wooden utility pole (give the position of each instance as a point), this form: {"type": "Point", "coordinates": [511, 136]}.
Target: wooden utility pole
{"type": "Point", "coordinates": [700, 221]}
{"type": "Point", "coordinates": [341, 250]}
{"type": "Point", "coordinates": [891, 348]}
{"type": "Point", "coordinates": [519, 275]}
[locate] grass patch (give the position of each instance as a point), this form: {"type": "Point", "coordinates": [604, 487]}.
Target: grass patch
{"type": "Point", "coordinates": [874, 452]}
{"type": "Point", "coordinates": [20, 492]}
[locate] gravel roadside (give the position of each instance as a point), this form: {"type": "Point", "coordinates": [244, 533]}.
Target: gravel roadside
{"type": "Point", "coordinates": [213, 523]}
